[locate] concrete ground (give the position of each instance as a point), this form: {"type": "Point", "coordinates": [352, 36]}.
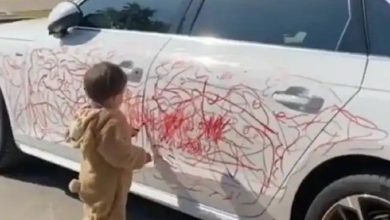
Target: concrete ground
{"type": "Point", "coordinates": [38, 191]}
{"type": "Point", "coordinates": [24, 5]}
{"type": "Point", "coordinates": [14, 9]}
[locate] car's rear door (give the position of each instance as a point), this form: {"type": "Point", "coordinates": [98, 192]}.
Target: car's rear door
{"type": "Point", "coordinates": [233, 116]}
{"type": "Point", "coordinates": [125, 32]}
{"type": "Point", "coordinates": [372, 102]}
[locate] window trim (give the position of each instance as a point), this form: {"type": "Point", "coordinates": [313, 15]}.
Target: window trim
{"type": "Point", "coordinates": [368, 35]}
{"type": "Point", "coordinates": [190, 17]}
{"type": "Point", "coordinates": [366, 30]}
{"type": "Point", "coordinates": [173, 30]}
{"type": "Point", "coordinates": [78, 2]}
{"type": "Point", "coordinates": [364, 26]}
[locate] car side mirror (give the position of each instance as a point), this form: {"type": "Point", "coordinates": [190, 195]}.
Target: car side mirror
{"type": "Point", "coordinates": [65, 15]}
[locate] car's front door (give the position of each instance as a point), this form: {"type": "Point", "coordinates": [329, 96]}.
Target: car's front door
{"type": "Point", "coordinates": [233, 117]}
{"type": "Point", "coordinates": [126, 32]}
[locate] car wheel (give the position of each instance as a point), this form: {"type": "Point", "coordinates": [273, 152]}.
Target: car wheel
{"type": "Point", "coordinates": [357, 197]}
{"type": "Point", "coordinates": [9, 153]}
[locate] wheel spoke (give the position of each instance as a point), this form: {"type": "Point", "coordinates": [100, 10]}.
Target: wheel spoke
{"type": "Point", "coordinates": [353, 203]}
{"type": "Point", "coordinates": [342, 214]}
{"type": "Point", "coordinates": [359, 207]}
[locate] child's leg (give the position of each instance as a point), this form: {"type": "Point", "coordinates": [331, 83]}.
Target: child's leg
{"type": "Point", "coordinates": [119, 208]}
{"type": "Point", "coordinates": [87, 213]}
{"type": "Point", "coordinates": [118, 211]}
{"type": "Point", "coordinates": [98, 206]}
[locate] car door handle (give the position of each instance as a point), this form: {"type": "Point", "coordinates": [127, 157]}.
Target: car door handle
{"type": "Point", "coordinates": [298, 99]}
{"type": "Point", "coordinates": [133, 74]}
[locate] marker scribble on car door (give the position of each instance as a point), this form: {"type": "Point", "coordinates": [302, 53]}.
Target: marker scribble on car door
{"type": "Point", "coordinates": [230, 131]}
{"type": "Point", "coordinates": [251, 146]}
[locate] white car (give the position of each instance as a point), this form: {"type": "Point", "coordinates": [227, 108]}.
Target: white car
{"type": "Point", "coordinates": [261, 109]}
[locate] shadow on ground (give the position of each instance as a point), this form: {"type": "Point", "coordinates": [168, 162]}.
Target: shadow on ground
{"type": "Point", "coordinates": [49, 175]}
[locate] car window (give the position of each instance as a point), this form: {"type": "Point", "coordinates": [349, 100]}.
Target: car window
{"type": "Point", "coordinates": [142, 15]}
{"type": "Point", "coordinates": [321, 24]}
{"type": "Point", "coordinates": [378, 14]}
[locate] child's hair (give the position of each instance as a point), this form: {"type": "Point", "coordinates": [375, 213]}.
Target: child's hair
{"type": "Point", "coordinates": [103, 81]}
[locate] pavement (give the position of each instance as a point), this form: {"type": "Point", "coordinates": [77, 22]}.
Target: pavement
{"type": "Point", "coordinates": [38, 191]}
{"type": "Point", "coordinates": [24, 5]}
{"type": "Point", "coordinates": [11, 10]}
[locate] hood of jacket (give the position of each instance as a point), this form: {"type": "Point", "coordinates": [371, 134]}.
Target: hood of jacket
{"type": "Point", "coordinates": [78, 128]}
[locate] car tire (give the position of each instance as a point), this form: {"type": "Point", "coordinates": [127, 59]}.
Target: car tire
{"type": "Point", "coordinates": [349, 194]}
{"type": "Point", "coordinates": [10, 154]}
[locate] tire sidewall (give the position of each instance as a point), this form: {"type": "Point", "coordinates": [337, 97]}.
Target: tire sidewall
{"type": "Point", "coordinates": [2, 125]}
{"type": "Point", "coordinates": [378, 186]}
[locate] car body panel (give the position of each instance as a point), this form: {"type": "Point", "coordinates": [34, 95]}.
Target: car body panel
{"type": "Point", "coordinates": [378, 74]}
{"type": "Point", "coordinates": [27, 30]}
{"type": "Point", "coordinates": [200, 85]}
{"type": "Point", "coordinates": [12, 67]}
{"type": "Point", "coordinates": [227, 65]}
{"type": "Point", "coordinates": [54, 70]}
{"type": "Point", "coordinates": [360, 129]}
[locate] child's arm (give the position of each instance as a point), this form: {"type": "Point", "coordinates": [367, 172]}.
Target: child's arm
{"type": "Point", "coordinates": [116, 148]}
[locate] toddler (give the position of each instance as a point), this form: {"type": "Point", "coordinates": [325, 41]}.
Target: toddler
{"type": "Point", "coordinates": [102, 133]}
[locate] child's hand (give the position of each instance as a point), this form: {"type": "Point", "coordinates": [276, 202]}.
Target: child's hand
{"type": "Point", "coordinates": [134, 132]}
{"type": "Point", "coordinates": [67, 136]}
{"type": "Point", "coordinates": [156, 154]}
{"type": "Point", "coordinates": [148, 158]}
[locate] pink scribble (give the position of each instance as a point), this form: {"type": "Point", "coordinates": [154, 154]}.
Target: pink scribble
{"type": "Point", "coordinates": [214, 127]}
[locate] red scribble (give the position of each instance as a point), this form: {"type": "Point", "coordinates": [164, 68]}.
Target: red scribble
{"type": "Point", "coordinates": [219, 129]}
{"type": "Point", "coordinates": [172, 124]}
{"type": "Point", "coordinates": [214, 127]}
{"type": "Point", "coordinates": [193, 147]}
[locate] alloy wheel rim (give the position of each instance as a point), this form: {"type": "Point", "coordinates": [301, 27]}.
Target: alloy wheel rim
{"type": "Point", "coordinates": [359, 207]}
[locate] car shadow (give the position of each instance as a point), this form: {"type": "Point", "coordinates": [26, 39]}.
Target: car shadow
{"type": "Point", "coordinates": [79, 37]}
{"type": "Point", "coordinates": [45, 174]}
{"type": "Point", "coordinates": [245, 203]}
{"type": "Point", "coordinates": [42, 173]}
{"type": "Point", "coordinates": [185, 200]}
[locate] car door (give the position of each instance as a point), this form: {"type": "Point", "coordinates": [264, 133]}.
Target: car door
{"type": "Point", "coordinates": [126, 32]}
{"type": "Point", "coordinates": [235, 105]}
{"type": "Point", "coordinates": [372, 103]}
{"type": "Point", "coordinates": [12, 81]}
{"type": "Point", "coordinates": [378, 17]}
